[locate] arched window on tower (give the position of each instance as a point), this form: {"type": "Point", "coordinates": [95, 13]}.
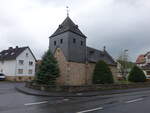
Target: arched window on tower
{"type": "Point", "coordinates": [74, 40]}
{"type": "Point", "coordinates": [54, 43]}
{"type": "Point", "coordinates": [61, 41]}
{"type": "Point", "coordinates": [81, 43]}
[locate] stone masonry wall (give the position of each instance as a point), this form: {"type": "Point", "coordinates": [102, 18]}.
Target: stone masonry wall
{"type": "Point", "coordinates": [89, 72]}
{"type": "Point", "coordinates": [62, 63]}
{"type": "Point", "coordinates": [71, 73]}
{"type": "Point", "coordinates": [75, 74]}
{"type": "Point", "coordinates": [114, 72]}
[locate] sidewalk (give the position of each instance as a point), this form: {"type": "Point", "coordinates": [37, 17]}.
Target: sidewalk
{"type": "Point", "coordinates": [21, 88]}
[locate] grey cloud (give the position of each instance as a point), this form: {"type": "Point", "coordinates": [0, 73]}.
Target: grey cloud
{"type": "Point", "coordinates": [129, 2]}
{"type": "Point", "coordinates": [117, 24]}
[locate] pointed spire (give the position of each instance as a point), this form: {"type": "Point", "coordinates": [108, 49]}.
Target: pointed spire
{"type": "Point", "coordinates": [68, 25]}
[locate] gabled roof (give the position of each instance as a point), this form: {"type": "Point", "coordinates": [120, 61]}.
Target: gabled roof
{"type": "Point", "coordinates": [68, 25]}
{"type": "Point", "coordinates": [13, 53]}
{"type": "Point", "coordinates": [146, 67]}
{"type": "Point", "coordinates": [94, 55]}
{"type": "Point", "coordinates": [146, 54]}
{"type": "Point", "coordinates": [140, 59]}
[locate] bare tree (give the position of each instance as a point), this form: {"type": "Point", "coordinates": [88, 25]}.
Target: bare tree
{"type": "Point", "coordinates": [123, 60]}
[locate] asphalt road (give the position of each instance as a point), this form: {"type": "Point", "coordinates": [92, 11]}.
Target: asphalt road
{"type": "Point", "coordinates": [12, 101]}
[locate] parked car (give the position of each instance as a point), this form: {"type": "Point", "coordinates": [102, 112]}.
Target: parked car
{"type": "Point", "coordinates": [2, 76]}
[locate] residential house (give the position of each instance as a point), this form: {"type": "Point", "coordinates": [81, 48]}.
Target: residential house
{"type": "Point", "coordinates": [143, 61]}
{"type": "Point", "coordinates": [18, 64]}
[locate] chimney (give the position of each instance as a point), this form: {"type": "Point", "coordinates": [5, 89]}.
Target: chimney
{"type": "Point", "coordinates": [10, 48]}
{"type": "Point", "coordinates": [60, 26]}
{"type": "Point", "coordinates": [76, 26]}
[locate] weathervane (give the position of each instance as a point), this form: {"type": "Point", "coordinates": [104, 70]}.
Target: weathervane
{"type": "Point", "coordinates": [67, 10]}
{"type": "Point", "coordinates": [104, 48]}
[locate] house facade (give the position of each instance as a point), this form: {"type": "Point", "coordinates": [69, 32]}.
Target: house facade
{"type": "Point", "coordinates": [76, 60]}
{"type": "Point", "coordinates": [143, 61]}
{"type": "Point", "coordinates": [18, 64]}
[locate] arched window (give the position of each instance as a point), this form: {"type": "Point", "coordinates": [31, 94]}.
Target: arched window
{"type": "Point", "coordinates": [54, 43]}
{"type": "Point", "coordinates": [61, 41]}
{"type": "Point", "coordinates": [74, 40]}
{"type": "Point", "coordinates": [81, 43]}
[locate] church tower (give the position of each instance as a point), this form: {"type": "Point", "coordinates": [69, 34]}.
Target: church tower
{"type": "Point", "coordinates": [70, 40]}
{"type": "Point", "coordinates": [76, 60]}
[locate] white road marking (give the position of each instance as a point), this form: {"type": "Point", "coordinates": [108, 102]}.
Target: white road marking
{"type": "Point", "coordinates": [36, 103]}
{"type": "Point", "coordinates": [79, 94]}
{"type": "Point", "coordinates": [85, 111]}
{"type": "Point", "coordinates": [135, 100]}
{"type": "Point", "coordinates": [4, 88]}
{"type": "Point", "coordinates": [66, 99]}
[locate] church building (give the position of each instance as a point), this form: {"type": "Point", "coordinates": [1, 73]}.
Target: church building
{"type": "Point", "coordinates": [76, 60]}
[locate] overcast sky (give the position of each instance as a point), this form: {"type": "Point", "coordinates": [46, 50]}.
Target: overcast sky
{"type": "Point", "coordinates": [117, 24]}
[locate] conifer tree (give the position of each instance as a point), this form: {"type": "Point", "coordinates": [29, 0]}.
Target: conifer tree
{"type": "Point", "coordinates": [48, 70]}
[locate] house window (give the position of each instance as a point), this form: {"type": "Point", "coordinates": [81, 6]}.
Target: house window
{"type": "Point", "coordinates": [27, 54]}
{"type": "Point", "coordinates": [30, 63]}
{"type": "Point", "coordinates": [61, 41]}
{"type": "Point", "coordinates": [91, 52]}
{"type": "Point", "coordinates": [2, 61]}
{"type": "Point", "coordinates": [6, 53]}
{"type": "Point", "coordinates": [20, 71]}
{"type": "Point", "coordinates": [148, 72]}
{"type": "Point", "coordinates": [30, 71]}
{"type": "Point", "coordinates": [21, 62]}
{"type": "Point", "coordinates": [74, 40]}
{"type": "Point", "coordinates": [81, 43]}
{"type": "Point", "coordinates": [54, 43]}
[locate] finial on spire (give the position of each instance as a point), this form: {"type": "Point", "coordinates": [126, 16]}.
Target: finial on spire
{"type": "Point", "coordinates": [67, 10]}
{"type": "Point", "coordinates": [104, 48]}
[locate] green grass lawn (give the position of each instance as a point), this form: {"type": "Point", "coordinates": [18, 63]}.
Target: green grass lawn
{"type": "Point", "coordinates": [123, 82]}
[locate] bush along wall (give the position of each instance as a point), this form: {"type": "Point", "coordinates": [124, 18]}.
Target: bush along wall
{"type": "Point", "coordinates": [136, 75]}
{"type": "Point", "coordinates": [102, 74]}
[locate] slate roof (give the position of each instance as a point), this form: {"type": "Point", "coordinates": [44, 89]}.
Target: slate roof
{"type": "Point", "coordinates": [67, 25]}
{"type": "Point", "coordinates": [146, 53]}
{"type": "Point", "coordinates": [94, 55]}
{"type": "Point", "coordinates": [12, 53]}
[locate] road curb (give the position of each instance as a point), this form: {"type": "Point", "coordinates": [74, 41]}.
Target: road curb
{"type": "Point", "coordinates": [23, 89]}
{"type": "Point", "coordinates": [52, 95]}
{"type": "Point", "coordinates": [28, 93]}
